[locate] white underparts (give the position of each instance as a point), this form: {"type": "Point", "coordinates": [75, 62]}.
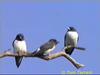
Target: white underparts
{"type": "Point", "coordinates": [72, 38]}
{"type": "Point", "coordinates": [20, 46]}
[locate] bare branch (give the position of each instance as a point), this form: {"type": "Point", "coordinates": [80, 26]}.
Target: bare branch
{"type": "Point", "coordinates": [59, 54]}
{"type": "Point", "coordinates": [50, 57]}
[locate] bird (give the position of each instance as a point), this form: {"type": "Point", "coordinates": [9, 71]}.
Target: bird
{"type": "Point", "coordinates": [71, 38]}
{"type": "Point", "coordinates": [46, 48]}
{"type": "Point", "coordinates": [19, 47]}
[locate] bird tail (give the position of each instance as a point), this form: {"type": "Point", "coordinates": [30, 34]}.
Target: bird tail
{"type": "Point", "coordinates": [80, 48]}
{"type": "Point", "coordinates": [35, 53]}
{"type": "Point", "coordinates": [69, 50]}
{"type": "Point", "coordinates": [18, 60]}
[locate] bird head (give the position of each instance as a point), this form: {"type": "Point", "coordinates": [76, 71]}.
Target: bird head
{"type": "Point", "coordinates": [20, 37]}
{"type": "Point", "coordinates": [71, 29]}
{"type": "Point", "coordinates": [54, 41]}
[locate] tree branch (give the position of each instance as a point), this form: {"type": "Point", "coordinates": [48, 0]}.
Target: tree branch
{"type": "Point", "coordinates": [50, 57]}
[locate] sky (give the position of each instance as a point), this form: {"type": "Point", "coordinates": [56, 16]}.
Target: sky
{"type": "Point", "coordinates": [40, 21]}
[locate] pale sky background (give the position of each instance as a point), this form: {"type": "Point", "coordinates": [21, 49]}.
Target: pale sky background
{"type": "Point", "coordinates": [41, 21]}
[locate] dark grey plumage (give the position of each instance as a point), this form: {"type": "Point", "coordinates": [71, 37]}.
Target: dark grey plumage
{"type": "Point", "coordinates": [46, 48]}
{"type": "Point", "coordinates": [19, 37]}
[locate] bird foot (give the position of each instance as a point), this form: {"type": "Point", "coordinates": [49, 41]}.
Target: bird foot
{"type": "Point", "coordinates": [21, 53]}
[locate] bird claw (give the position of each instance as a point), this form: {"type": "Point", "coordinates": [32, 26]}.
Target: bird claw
{"type": "Point", "coordinates": [21, 53]}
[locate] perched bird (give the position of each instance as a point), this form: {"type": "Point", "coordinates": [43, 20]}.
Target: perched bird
{"type": "Point", "coordinates": [71, 39]}
{"type": "Point", "coordinates": [19, 46]}
{"type": "Point", "coordinates": [46, 48]}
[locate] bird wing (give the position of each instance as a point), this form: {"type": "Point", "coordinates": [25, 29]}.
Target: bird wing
{"type": "Point", "coordinates": [13, 46]}
{"type": "Point", "coordinates": [78, 39]}
{"type": "Point", "coordinates": [65, 41]}
{"type": "Point", "coordinates": [45, 47]}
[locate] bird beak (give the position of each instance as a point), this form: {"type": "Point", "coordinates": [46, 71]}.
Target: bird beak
{"type": "Point", "coordinates": [68, 28]}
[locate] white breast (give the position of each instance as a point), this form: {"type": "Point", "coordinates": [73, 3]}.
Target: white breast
{"type": "Point", "coordinates": [72, 38]}
{"type": "Point", "coordinates": [49, 50]}
{"type": "Point", "coordinates": [20, 46]}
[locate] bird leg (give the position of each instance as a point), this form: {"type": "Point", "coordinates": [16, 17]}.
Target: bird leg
{"type": "Point", "coordinates": [21, 53]}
